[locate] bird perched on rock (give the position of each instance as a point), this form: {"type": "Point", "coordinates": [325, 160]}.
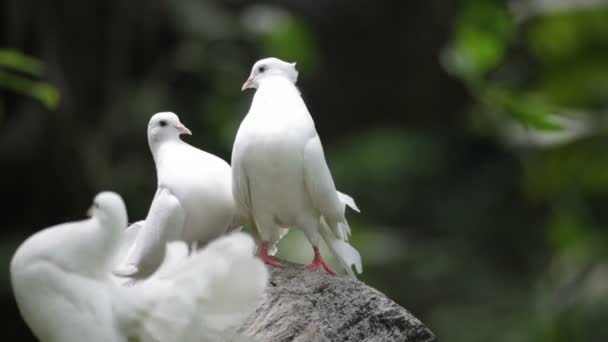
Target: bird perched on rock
{"type": "Point", "coordinates": [61, 277]}
{"type": "Point", "coordinates": [279, 173]}
{"type": "Point", "coordinates": [193, 201]}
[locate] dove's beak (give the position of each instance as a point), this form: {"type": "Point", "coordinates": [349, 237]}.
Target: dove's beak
{"type": "Point", "coordinates": [247, 84]}
{"type": "Point", "coordinates": [183, 129]}
{"type": "Point", "coordinates": [90, 212]}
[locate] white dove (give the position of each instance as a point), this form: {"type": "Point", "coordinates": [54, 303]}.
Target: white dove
{"type": "Point", "coordinates": [61, 277]}
{"type": "Point", "coordinates": [193, 202]}
{"type": "Point", "coordinates": [279, 173]}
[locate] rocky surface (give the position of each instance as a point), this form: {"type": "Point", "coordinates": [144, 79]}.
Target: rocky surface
{"type": "Point", "coordinates": [302, 305]}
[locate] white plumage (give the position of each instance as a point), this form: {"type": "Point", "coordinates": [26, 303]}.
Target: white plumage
{"type": "Point", "coordinates": [280, 176]}
{"type": "Point", "coordinates": [62, 281]}
{"type": "Point", "coordinates": [193, 202]}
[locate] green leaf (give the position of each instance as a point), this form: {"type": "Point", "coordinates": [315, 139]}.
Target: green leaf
{"type": "Point", "coordinates": [530, 111]}
{"type": "Point", "coordinates": [41, 91]}
{"type": "Point", "coordinates": [572, 49]}
{"type": "Point", "coordinates": [13, 59]}
{"type": "Point", "coordinates": [563, 36]}
{"type": "Point", "coordinates": [483, 32]}
{"type": "Point", "coordinates": [292, 41]}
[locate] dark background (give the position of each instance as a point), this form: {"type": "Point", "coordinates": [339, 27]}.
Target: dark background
{"type": "Point", "coordinates": [471, 133]}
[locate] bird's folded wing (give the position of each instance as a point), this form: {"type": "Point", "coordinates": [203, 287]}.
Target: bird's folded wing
{"type": "Point", "coordinates": [164, 223]}
{"type": "Point", "coordinates": [206, 297]}
{"type": "Point", "coordinates": [131, 234]}
{"type": "Point", "coordinates": [126, 248]}
{"type": "Point", "coordinates": [320, 184]}
{"type": "Point", "coordinates": [240, 184]}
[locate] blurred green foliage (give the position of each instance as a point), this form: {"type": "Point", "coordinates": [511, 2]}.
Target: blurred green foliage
{"type": "Point", "coordinates": [16, 70]}
{"type": "Point", "coordinates": [484, 33]}
{"type": "Point", "coordinates": [532, 71]}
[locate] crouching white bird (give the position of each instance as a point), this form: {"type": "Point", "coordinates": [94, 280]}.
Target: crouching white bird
{"type": "Point", "coordinates": [62, 281]}
{"type": "Point", "coordinates": [193, 201]}
{"type": "Point", "coordinates": [279, 173]}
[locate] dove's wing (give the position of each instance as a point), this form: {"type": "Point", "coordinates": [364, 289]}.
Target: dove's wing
{"type": "Point", "coordinates": [239, 187]}
{"type": "Point", "coordinates": [240, 181]}
{"type": "Point", "coordinates": [164, 223]}
{"type": "Point", "coordinates": [205, 297]}
{"type": "Point", "coordinates": [320, 186]}
{"type": "Point", "coordinates": [130, 235]}
{"type": "Point", "coordinates": [331, 203]}
{"type": "Point", "coordinates": [127, 245]}
{"type": "Point", "coordinates": [126, 248]}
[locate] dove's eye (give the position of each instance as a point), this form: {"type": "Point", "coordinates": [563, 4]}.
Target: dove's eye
{"type": "Point", "coordinates": [261, 68]}
{"type": "Point", "coordinates": [96, 205]}
{"type": "Point", "coordinates": [162, 123]}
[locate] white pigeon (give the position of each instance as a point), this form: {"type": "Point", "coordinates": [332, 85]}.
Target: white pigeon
{"type": "Point", "coordinates": [193, 202]}
{"type": "Point", "coordinates": [279, 173]}
{"type": "Point", "coordinates": [61, 277]}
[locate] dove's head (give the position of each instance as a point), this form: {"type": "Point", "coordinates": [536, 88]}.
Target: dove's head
{"type": "Point", "coordinates": [109, 208]}
{"type": "Point", "coordinates": [165, 126]}
{"type": "Point", "coordinates": [270, 67]}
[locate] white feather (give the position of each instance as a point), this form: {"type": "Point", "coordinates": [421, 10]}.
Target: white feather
{"type": "Point", "coordinates": [211, 306]}
{"type": "Point", "coordinates": [65, 291]}
{"type": "Point", "coordinates": [349, 201]}
{"type": "Point", "coordinates": [346, 254]}
{"type": "Point", "coordinates": [193, 202]}
{"type": "Point", "coordinates": [280, 175]}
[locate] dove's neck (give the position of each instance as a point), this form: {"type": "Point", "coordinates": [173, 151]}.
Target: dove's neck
{"type": "Point", "coordinates": [157, 147]}
{"type": "Point", "coordinates": [279, 100]}
{"type": "Point", "coordinates": [278, 85]}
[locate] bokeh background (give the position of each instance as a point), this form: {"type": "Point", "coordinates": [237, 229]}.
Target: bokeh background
{"type": "Point", "coordinates": [473, 135]}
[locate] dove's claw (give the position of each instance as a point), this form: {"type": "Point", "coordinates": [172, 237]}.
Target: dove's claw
{"type": "Point", "coordinates": [267, 259]}
{"type": "Point", "coordinates": [271, 261]}
{"type": "Point", "coordinates": [318, 262]}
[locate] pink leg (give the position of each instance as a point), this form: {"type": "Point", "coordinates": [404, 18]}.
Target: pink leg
{"type": "Point", "coordinates": [318, 262]}
{"type": "Point", "coordinates": [267, 259]}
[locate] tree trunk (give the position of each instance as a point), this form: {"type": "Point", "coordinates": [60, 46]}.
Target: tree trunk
{"type": "Point", "coordinates": [304, 306]}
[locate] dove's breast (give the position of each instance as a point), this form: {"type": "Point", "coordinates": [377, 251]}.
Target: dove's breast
{"type": "Point", "coordinates": [202, 183]}
{"type": "Point", "coordinates": [272, 158]}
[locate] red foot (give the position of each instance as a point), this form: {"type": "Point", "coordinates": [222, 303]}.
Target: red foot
{"type": "Point", "coordinates": [318, 262]}
{"type": "Point", "coordinates": [267, 259]}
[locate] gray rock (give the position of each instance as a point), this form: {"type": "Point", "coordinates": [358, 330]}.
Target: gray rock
{"type": "Point", "coordinates": [304, 306]}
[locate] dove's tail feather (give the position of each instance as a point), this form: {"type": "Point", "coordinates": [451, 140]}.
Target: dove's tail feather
{"type": "Point", "coordinates": [208, 296]}
{"type": "Point", "coordinates": [276, 237]}
{"type": "Point", "coordinates": [349, 201]}
{"type": "Point", "coordinates": [342, 228]}
{"type": "Point", "coordinates": [346, 254]}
